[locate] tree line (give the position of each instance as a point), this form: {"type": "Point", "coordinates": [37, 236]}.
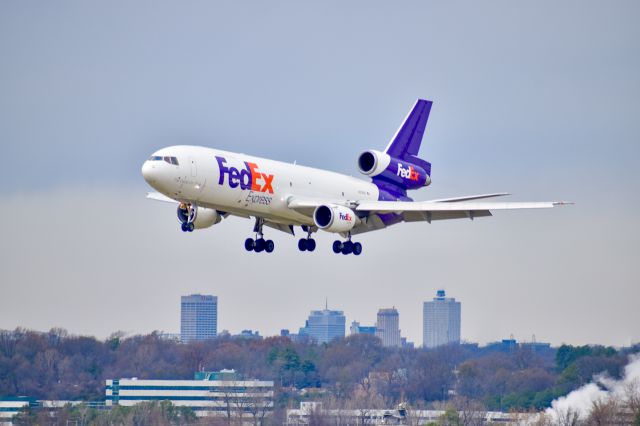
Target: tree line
{"type": "Point", "coordinates": [55, 365]}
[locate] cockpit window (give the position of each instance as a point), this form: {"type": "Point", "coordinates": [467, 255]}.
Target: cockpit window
{"type": "Point", "coordinates": [170, 160]}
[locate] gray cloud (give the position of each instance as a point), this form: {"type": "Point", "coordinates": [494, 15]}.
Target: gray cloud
{"type": "Point", "coordinates": [540, 100]}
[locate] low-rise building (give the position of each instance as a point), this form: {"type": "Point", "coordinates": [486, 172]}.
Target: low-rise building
{"type": "Point", "coordinates": [9, 407]}
{"type": "Point", "coordinates": [219, 393]}
{"type": "Point", "coordinates": [313, 412]}
{"type": "Point", "coordinates": [356, 328]}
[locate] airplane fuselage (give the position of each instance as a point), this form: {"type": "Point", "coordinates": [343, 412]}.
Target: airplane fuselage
{"type": "Point", "coordinates": [245, 185]}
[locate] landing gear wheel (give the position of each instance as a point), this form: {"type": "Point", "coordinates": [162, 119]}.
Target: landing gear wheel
{"type": "Point", "coordinates": [269, 246]}
{"type": "Point", "coordinates": [302, 244]}
{"type": "Point", "coordinates": [183, 226]}
{"type": "Point", "coordinates": [311, 244]}
{"type": "Point", "coordinates": [347, 247]}
{"type": "Point", "coordinates": [249, 244]}
{"type": "Point", "coordinates": [337, 246]}
{"type": "Point", "coordinates": [357, 249]}
{"type": "Point", "coordinates": [191, 226]}
{"type": "Point", "coordinates": [259, 245]}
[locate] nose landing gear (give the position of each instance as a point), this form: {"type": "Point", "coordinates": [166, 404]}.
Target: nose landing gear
{"type": "Point", "coordinates": [187, 216]}
{"type": "Point", "coordinates": [259, 244]}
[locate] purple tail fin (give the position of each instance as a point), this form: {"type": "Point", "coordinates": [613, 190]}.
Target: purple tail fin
{"type": "Point", "coordinates": [406, 142]}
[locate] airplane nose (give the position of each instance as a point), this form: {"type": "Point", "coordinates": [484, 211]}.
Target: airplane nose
{"type": "Point", "coordinates": [149, 172]}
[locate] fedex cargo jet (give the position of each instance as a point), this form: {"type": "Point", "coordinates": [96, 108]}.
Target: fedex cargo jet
{"type": "Point", "coordinates": [210, 184]}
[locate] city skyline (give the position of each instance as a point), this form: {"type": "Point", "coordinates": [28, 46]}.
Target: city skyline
{"type": "Point", "coordinates": [326, 325]}
{"type": "Point", "coordinates": [90, 90]}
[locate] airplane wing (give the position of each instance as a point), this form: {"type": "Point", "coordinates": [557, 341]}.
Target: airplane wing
{"type": "Point", "coordinates": [431, 206]}
{"type": "Point", "coordinates": [415, 211]}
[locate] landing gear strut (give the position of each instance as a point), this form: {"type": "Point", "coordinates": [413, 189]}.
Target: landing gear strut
{"type": "Point", "coordinates": [259, 244]}
{"type": "Point", "coordinates": [347, 247]}
{"type": "Point", "coordinates": [187, 217]}
{"type": "Point", "coordinates": [307, 244]}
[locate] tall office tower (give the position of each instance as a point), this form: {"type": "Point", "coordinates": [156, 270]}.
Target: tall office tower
{"type": "Point", "coordinates": [388, 327]}
{"type": "Point", "coordinates": [440, 321]}
{"type": "Point", "coordinates": [198, 317]}
{"type": "Point", "coordinates": [324, 326]}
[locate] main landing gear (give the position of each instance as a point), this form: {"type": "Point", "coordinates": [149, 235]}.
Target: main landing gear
{"type": "Point", "coordinates": [347, 247]}
{"type": "Point", "coordinates": [259, 244]}
{"type": "Point", "coordinates": [307, 244]}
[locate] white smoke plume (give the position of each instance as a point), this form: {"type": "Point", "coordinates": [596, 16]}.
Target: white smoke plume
{"type": "Point", "coordinates": [603, 389]}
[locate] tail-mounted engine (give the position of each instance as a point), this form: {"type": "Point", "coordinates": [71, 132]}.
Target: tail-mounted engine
{"type": "Point", "coordinates": [193, 217]}
{"type": "Point", "coordinates": [334, 218]}
{"type": "Point", "coordinates": [404, 173]}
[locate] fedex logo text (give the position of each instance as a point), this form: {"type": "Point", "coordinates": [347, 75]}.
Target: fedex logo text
{"type": "Point", "coordinates": [247, 178]}
{"type": "Point", "coordinates": [408, 173]}
{"type": "Point", "coordinates": [345, 216]}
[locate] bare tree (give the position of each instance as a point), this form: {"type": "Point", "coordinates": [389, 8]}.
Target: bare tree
{"type": "Point", "coordinates": [470, 412]}
{"type": "Point", "coordinates": [318, 417]}
{"type": "Point", "coordinates": [631, 396]}
{"type": "Point", "coordinates": [603, 412]}
{"type": "Point", "coordinates": [568, 417]}
{"type": "Point", "coordinates": [365, 400]}
{"type": "Point", "coordinates": [259, 403]}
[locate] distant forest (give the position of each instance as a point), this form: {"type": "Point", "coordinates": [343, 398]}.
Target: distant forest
{"type": "Point", "coordinates": [58, 366]}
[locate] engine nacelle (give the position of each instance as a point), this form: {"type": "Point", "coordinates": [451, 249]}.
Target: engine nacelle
{"type": "Point", "coordinates": [201, 217]}
{"type": "Point", "coordinates": [405, 173]}
{"type": "Point", "coordinates": [334, 218]}
{"type": "Point", "coordinates": [372, 162]}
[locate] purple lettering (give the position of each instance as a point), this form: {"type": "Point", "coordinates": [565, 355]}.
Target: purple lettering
{"type": "Point", "coordinates": [223, 169]}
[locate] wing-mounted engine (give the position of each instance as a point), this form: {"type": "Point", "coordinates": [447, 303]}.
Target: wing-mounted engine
{"type": "Point", "coordinates": [193, 217]}
{"type": "Point", "coordinates": [406, 174]}
{"type": "Point", "coordinates": [335, 218]}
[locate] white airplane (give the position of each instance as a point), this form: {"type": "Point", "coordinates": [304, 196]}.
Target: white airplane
{"type": "Point", "coordinates": [210, 184]}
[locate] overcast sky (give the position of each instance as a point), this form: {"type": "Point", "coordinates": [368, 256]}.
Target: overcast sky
{"type": "Point", "coordinates": [540, 99]}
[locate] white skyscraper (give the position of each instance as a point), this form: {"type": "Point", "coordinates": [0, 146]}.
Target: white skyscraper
{"type": "Point", "coordinates": [198, 317]}
{"type": "Point", "coordinates": [441, 321]}
{"type": "Point", "coordinates": [388, 327]}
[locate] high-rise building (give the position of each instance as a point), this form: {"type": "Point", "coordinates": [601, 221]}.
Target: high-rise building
{"type": "Point", "coordinates": [324, 326]}
{"type": "Point", "coordinates": [440, 321]}
{"type": "Point", "coordinates": [388, 327]}
{"type": "Point", "coordinates": [198, 317]}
